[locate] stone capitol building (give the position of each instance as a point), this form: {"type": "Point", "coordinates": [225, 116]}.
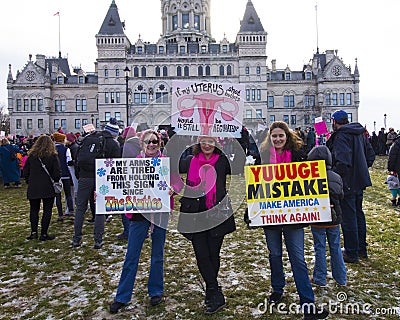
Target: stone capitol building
{"type": "Point", "coordinates": [132, 81]}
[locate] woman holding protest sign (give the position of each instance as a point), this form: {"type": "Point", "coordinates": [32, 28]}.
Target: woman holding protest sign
{"type": "Point", "coordinates": [282, 145]}
{"type": "Point", "coordinates": [206, 213]}
{"type": "Point", "coordinates": [142, 226]}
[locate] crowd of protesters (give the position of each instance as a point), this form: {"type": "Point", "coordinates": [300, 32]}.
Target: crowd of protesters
{"type": "Point", "coordinates": [348, 147]}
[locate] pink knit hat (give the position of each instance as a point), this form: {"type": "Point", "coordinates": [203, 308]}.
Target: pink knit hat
{"type": "Point", "coordinates": [128, 132]}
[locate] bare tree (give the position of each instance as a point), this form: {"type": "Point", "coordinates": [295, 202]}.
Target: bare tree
{"type": "Point", "coordinates": [4, 119]}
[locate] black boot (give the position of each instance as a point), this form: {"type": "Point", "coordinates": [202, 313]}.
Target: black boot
{"type": "Point", "coordinates": [216, 300]}
{"type": "Point", "coordinates": [398, 202]}
{"type": "Point", "coordinates": [394, 203]}
{"type": "Point", "coordinates": [32, 236]}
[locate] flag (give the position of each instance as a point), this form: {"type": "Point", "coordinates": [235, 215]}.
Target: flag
{"type": "Point", "coordinates": [56, 14]}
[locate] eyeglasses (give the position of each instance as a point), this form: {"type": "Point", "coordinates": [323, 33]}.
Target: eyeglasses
{"type": "Point", "coordinates": [210, 142]}
{"type": "Point", "coordinates": [155, 141]}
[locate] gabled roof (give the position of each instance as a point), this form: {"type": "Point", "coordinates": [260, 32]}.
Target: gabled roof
{"type": "Point", "coordinates": [112, 23]}
{"type": "Point", "coordinates": [251, 22]}
{"type": "Point", "coordinates": [62, 64]}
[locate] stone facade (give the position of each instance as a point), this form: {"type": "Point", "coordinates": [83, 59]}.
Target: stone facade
{"type": "Point", "coordinates": [134, 80]}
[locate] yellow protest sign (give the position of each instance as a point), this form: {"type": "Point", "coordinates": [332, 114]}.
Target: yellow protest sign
{"type": "Point", "coordinates": [287, 193]}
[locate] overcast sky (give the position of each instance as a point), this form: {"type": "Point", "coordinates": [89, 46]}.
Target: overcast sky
{"type": "Point", "coordinates": [366, 30]}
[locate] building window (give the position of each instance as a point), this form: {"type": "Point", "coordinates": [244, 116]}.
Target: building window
{"type": "Point", "coordinates": [200, 71]}
{"type": "Point", "coordinates": [328, 99]}
{"type": "Point", "coordinates": [112, 100]}
{"type": "Point", "coordinates": [174, 22]}
{"type": "Point", "coordinates": [253, 94]}
{"type": "Point", "coordinates": [306, 119]}
{"type": "Point", "coordinates": [224, 48]}
{"type": "Point", "coordinates": [203, 49]}
{"type": "Point", "coordinates": [179, 71]}
{"type": "Point", "coordinates": [60, 80]}
{"type": "Point", "coordinates": [328, 118]}
{"type": "Point", "coordinates": [162, 97]}
{"type": "Point", "coordinates": [185, 20]}
{"type": "Point", "coordinates": [106, 97]}
{"type": "Point", "coordinates": [56, 123]}
{"type": "Point", "coordinates": [117, 72]}
{"type": "Point", "coordinates": [258, 94]}
{"type": "Point", "coordinates": [208, 70]}
{"type": "Point", "coordinates": [286, 118]}
{"type": "Point", "coordinates": [197, 22]}
{"type": "Point", "coordinates": [271, 118]}
{"type": "Point", "coordinates": [26, 105]}
{"type": "Point", "coordinates": [229, 70]}
{"type": "Point", "coordinates": [341, 98]}
{"type": "Point", "coordinates": [270, 101]}
{"type": "Point", "coordinates": [247, 70]}
{"type": "Point", "coordinates": [247, 94]}
{"type": "Point", "coordinates": [118, 97]}
{"type": "Point", "coordinates": [334, 99]}
{"type": "Point", "coordinates": [64, 124]}
{"type": "Point", "coordinates": [33, 104]}
{"type": "Point", "coordinates": [84, 122]}
{"type": "Point", "coordinates": [59, 105]}
{"type": "Point", "coordinates": [139, 50]}
{"type": "Point", "coordinates": [309, 100]}
{"type": "Point", "coordinates": [249, 114]}
{"type": "Point", "coordinates": [18, 123]}
{"type": "Point", "coordinates": [118, 116]}
{"type": "Point", "coordinates": [40, 104]}
{"type": "Point", "coordinates": [136, 72]}
{"type": "Point", "coordinates": [136, 98]}
{"type": "Point", "coordinates": [221, 70]}
{"type": "Point", "coordinates": [160, 49]}
{"type": "Point", "coordinates": [350, 117]}
{"type": "Point", "coordinates": [258, 113]}
{"type": "Point", "coordinates": [106, 72]}
{"type": "Point", "coordinates": [77, 123]}
{"type": "Point", "coordinates": [158, 72]}
{"type": "Point", "coordinates": [143, 98]}
{"type": "Point", "coordinates": [308, 75]}
{"type": "Point", "coordinates": [107, 116]}
{"type": "Point", "coordinates": [288, 101]}
{"type": "Point", "coordinates": [348, 99]}
{"type": "Point", "coordinates": [78, 105]}
{"type": "Point", "coordinates": [165, 71]}
{"type": "Point", "coordinates": [186, 71]}
{"type": "Point", "coordinates": [292, 119]}
{"type": "Point", "coordinates": [143, 71]}
{"type": "Point", "coordinates": [81, 79]}
{"type": "Point", "coordinates": [258, 70]}
{"type": "Point", "coordinates": [287, 76]}
{"type": "Point", "coordinates": [19, 104]}
{"type": "Point", "coordinates": [268, 76]}
{"type": "Point", "coordinates": [29, 123]}
{"type": "Point", "coordinates": [182, 49]}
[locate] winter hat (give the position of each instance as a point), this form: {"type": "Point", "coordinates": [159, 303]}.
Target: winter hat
{"type": "Point", "coordinates": [112, 127]}
{"type": "Point", "coordinates": [59, 137]}
{"type": "Point", "coordinates": [70, 137]}
{"type": "Point", "coordinates": [320, 153]}
{"type": "Point", "coordinates": [128, 132]}
{"type": "Point", "coordinates": [340, 116]}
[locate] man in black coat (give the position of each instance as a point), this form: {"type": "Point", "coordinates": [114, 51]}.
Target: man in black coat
{"type": "Point", "coordinates": [352, 154]}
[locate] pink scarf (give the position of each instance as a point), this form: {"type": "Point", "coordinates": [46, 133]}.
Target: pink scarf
{"type": "Point", "coordinates": [202, 174]}
{"type": "Point", "coordinates": [274, 157]}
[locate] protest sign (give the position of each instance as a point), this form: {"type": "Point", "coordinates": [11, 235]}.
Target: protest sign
{"type": "Point", "coordinates": [287, 193]}
{"type": "Point", "coordinates": [207, 108]}
{"type": "Point", "coordinates": [129, 185]}
{"type": "Point", "coordinates": [89, 128]}
{"type": "Point", "coordinates": [320, 126]}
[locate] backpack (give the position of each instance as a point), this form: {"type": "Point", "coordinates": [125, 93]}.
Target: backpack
{"type": "Point", "coordinates": [92, 147]}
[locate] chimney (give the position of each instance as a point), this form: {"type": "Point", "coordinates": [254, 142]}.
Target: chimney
{"type": "Point", "coordinates": [40, 61]}
{"type": "Point", "coordinates": [273, 64]}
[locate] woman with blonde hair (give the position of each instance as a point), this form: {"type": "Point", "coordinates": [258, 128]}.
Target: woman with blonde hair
{"type": "Point", "coordinates": [40, 187]}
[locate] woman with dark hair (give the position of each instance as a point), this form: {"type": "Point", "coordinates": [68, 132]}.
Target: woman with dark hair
{"type": "Point", "coordinates": [40, 187]}
{"type": "Point", "coordinates": [206, 214]}
{"type": "Point", "coordinates": [143, 225]}
{"type": "Point", "coordinates": [282, 145]}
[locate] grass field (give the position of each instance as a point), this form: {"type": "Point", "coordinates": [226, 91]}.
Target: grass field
{"type": "Point", "coordinates": [50, 280]}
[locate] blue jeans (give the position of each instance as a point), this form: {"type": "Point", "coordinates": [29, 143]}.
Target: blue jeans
{"type": "Point", "coordinates": [294, 241]}
{"type": "Point", "coordinates": [337, 264]}
{"type": "Point", "coordinates": [354, 226]}
{"type": "Point", "coordinates": [126, 223]}
{"type": "Point", "coordinates": [138, 231]}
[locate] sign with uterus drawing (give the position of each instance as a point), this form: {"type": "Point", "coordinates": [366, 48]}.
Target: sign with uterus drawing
{"type": "Point", "coordinates": [207, 108]}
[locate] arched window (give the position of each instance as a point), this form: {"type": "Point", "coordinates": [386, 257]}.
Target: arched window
{"type": "Point", "coordinates": [200, 71]}
{"type": "Point", "coordinates": [247, 70]}
{"type": "Point", "coordinates": [136, 72]}
{"type": "Point", "coordinates": [221, 70]}
{"type": "Point", "coordinates": [258, 70]}
{"type": "Point", "coordinates": [208, 71]}
{"type": "Point", "coordinates": [186, 71]}
{"type": "Point", "coordinates": [158, 73]}
{"type": "Point", "coordinates": [179, 71]}
{"type": "Point", "coordinates": [229, 70]}
{"type": "Point", "coordinates": [143, 71]}
{"type": "Point", "coordinates": [165, 71]}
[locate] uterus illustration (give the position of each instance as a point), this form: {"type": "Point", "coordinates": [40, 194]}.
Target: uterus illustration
{"type": "Point", "coordinates": [207, 106]}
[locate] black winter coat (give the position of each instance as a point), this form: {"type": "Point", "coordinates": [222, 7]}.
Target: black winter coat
{"type": "Point", "coordinates": [39, 183]}
{"type": "Point", "coordinates": [194, 214]}
{"type": "Point", "coordinates": [394, 156]}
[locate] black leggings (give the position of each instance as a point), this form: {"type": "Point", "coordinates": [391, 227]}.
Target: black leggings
{"type": "Point", "coordinates": [207, 250]}
{"type": "Point", "coordinates": [34, 214]}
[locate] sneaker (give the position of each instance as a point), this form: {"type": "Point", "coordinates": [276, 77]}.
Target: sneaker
{"type": "Point", "coordinates": [75, 244]}
{"type": "Point", "coordinates": [115, 306]}
{"type": "Point", "coordinates": [109, 218]}
{"type": "Point", "coordinates": [122, 237]}
{"type": "Point", "coordinates": [18, 186]}
{"type": "Point", "coordinates": [348, 259]}
{"type": "Point", "coordinates": [98, 245]}
{"type": "Point", "coordinates": [216, 302]}
{"type": "Point", "coordinates": [275, 298]}
{"type": "Point", "coordinates": [44, 237]}
{"type": "Point", "coordinates": [7, 187]}
{"type": "Point", "coordinates": [32, 236]}
{"type": "Point", "coordinates": [317, 283]}
{"type": "Point", "coordinates": [320, 314]}
{"type": "Point", "coordinates": [155, 300]}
